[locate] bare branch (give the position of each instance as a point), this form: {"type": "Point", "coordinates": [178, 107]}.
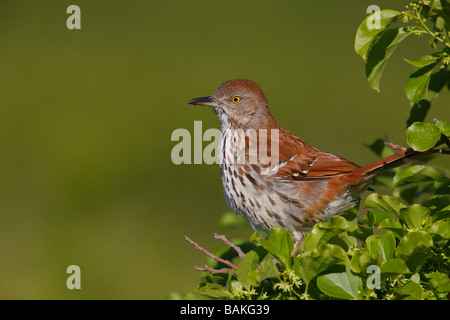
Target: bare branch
{"type": "Point", "coordinates": [209, 254]}
{"type": "Point", "coordinates": [394, 146]}
{"type": "Point", "coordinates": [214, 271]}
{"type": "Point", "coordinates": [229, 244]}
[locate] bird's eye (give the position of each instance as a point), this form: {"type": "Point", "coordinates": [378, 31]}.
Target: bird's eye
{"type": "Point", "coordinates": [236, 99]}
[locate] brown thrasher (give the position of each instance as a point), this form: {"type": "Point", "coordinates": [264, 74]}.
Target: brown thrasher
{"type": "Point", "coordinates": [302, 186]}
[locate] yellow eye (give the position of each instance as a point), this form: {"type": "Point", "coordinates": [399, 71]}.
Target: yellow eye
{"type": "Point", "coordinates": [236, 99]}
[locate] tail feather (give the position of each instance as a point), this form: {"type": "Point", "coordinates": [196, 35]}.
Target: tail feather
{"type": "Point", "coordinates": [394, 161]}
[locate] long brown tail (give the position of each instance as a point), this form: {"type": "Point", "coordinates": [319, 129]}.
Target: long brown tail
{"type": "Point", "coordinates": [394, 161]}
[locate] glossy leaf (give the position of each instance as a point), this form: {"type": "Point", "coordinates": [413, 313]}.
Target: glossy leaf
{"type": "Point", "coordinates": [314, 262]}
{"type": "Point", "coordinates": [394, 226]}
{"type": "Point", "coordinates": [409, 291]}
{"type": "Point", "coordinates": [322, 232]}
{"type": "Point", "coordinates": [383, 202]}
{"type": "Point", "coordinates": [280, 244]}
{"type": "Point", "coordinates": [381, 246]}
{"type": "Point", "coordinates": [417, 85]}
{"type": "Point", "coordinates": [444, 127]}
{"type": "Point", "coordinates": [380, 52]}
{"type": "Point", "coordinates": [424, 61]}
{"type": "Point", "coordinates": [367, 32]}
{"type": "Point", "coordinates": [342, 285]}
{"type": "Point", "coordinates": [393, 267]}
{"type": "Point", "coordinates": [370, 218]}
{"type": "Point", "coordinates": [439, 282]}
{"type": "Point", "coordinates": [248, 263]}
{"type": "Point", "coordinates": [210, 291]}
{"type": "Point", "coordinates": [422, 136]}
{"type": "Point", "coordinates": [441, 228]}
{"type": "Point", "coordinates": [382, 215]}
{"type": "Point", "coordinates": [419, 110]}
{"type": "Point", "coordinates": [437, 203]}
{"type": "Point", "coordinates": [415, 216]}
{"type": "Point", "coordinates": [418, 173]}
{"type": "Point", "coordinates": [414, 248]}
{"type": "Point", "coordinates": [267, 270]}
{"type": "Point", "coordinates": [359, 260]}
{"type": "Point", "coordinates": [442, 214]}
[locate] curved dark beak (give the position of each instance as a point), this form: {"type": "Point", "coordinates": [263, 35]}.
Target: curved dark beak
{"type": "Point", "coordinates": [204, 101]}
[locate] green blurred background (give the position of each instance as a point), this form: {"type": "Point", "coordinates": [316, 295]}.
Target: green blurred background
{"type": "Point", "coordinates": [86, 118]}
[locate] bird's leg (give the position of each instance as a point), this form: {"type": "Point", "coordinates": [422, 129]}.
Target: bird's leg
{"type": "Point", "coordinates": [296, 246]}
{"type": "Point", "coordinates": [297, 242]}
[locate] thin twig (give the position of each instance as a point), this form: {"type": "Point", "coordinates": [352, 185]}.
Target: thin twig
{"type": "Point", "coordinates": [209, 254]}
{"type": "Point", "coordinates": [394, 146]}
{"type": "Point", "coordinates": [229, 244]}
{"type": "Point", "coordinates": [215, 271]}
{"type": "Point", "coordinates": [444, 139]}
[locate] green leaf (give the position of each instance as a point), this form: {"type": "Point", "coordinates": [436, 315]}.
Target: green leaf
{"type": "Point", "coordinates": [418, 173]}
{"type": "Point", "coordinates": [417, 85]}
{"type": "Point", "coordinates": [360, 260]}
{"type": "Point", "coordinates": [210, 291]}
{"type": "Point", "coordinates": [248, 263]}
{"type": "Point", "coordinates": [414, 248]}
{"type": "Point", "coordinates": [267, 270]}
{"type": "Point", "coordinates": [380, 52]}
{"type": "Point", "coordinates": [392, 268]}
{"type": "Point", "coordinates": [422, 136]}
{"type": "Point", "coordinates": [439, 282]}
{"type": "Point", "coordinates": [322, 232]}
{"type": "Point", "coordinates": [415, 216]}
{"type": "Point", "coordinates": [444, 127]}
{"type": "Point", "coordinates": [441, 228]}
{"type": "Point", "coordinates": [367, 32]}
{"type": "Point", "coordinates": [369, 218]}
{"type": "Point", "coordinates": [381, 246]}
{"type": "Point", "coordinates": [412, 241]}
{"type": "Point", "coordinates": [360, 232]}
{"type": "Point", "coordinates": [342, 285]}
{"type": "Point", "coordinates": [442, 214]}
{"type": "Point", "coordinates": [440, 23]}
{"type": "Point", "coordinates": [437, 203]}
{"type": "Point", "coordinates": [384, 202]}
{"type": "Point", "coordinates": [420, 109]}
{"type": "Point", "coordinates": [382, 215]}
{"type": "Point", "coordinates": [280, 244]}
{"type": "Point", "coordinates": [394, 226]}
{"type": "Point", "coordinates": [425, 60]}
{"type": "Point", "coordinates": [314, 262]}
{"type": "Point", "coordinates": [409, 291]}
{"type": "Point", "coordinates": [345, 240]}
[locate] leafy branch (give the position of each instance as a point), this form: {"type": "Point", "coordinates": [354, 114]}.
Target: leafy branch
{"type": "Point", "coordinates": [415, 13]}
{"type": "Point", "coordinates": [375, 43]}
{"type": "Point", "coordinates": [395, 246]}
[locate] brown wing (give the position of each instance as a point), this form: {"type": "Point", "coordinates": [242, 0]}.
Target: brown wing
{"type": "Point", "coordinates": [300, 161]}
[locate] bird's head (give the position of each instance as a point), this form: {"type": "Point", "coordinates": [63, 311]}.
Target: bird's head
{"type": "Point", "coordinates": [238, 102]}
